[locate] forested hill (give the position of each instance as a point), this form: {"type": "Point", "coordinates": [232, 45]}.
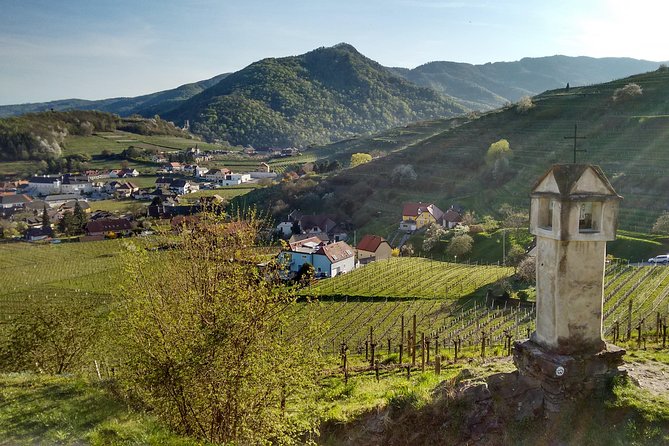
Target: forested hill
{"type": "Point", "coordinates": [492, 85]}
{"type": "Point", "coordinates": [145, 105]}
{"type": "Point", "coordinates": [321, 96]}
{"type": "Point", "coordinates": [627, 134]}
{"type": "Point", "coordinates": [39, 136]}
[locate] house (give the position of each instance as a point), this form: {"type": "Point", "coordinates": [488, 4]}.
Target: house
{"type": "Point", "coordinates": [161, 192]}
{"type": "Point", "coordinates": [44, 185]}
{"type": "Point", "coordinates": [125, 190]}
{"type": "Point", "coordinates": [182, 187]}
{"type": "Point", "coordinates": [200, 172]}
{"type": "Point", "coordinates": [163, 182]}
{"type": "Point", "coordinates": [108, 226]}
{"type": "Point", "coordinates": [372, 248]}
{"type": "Point", "coordinates": [217, 175]}
{"type": "Point", "coordinates": [285, 228]}
{"type": "Point", "coordinates": [264, 167]}
{"type": "Point", "coordinates": [225, 177]}
{"type": "Point", "coordinates": [38, 234]}
{"type": "Point", "coordinates": [333, 259]}
{"type": "Point", "coordinates": [114, 173]}
{"type": "Point", "coordinates": [423, 214]}
{"type": "Point", "coordinates": [14, 201]}
{"type": "Point", "coordinates": [70, 205]}
{"type": "Point", "coordinates": [321, 224]}
{"type": "Point", "coordinates": [328, 260]}
{"type": "Point", "coordinates": [174, 167]}
{"type": "Point", "coordinates": [73, 184]}
{"type": "Point", "coordinates": [158, 158]}
{"type": "Point", "coordinates": [112, 187]}
{"type": "Point", "coordinates": [125, 173]}
{"type": "Point", "coordinates": [58, 200]}
{"type": "Point", "coordinates": [451, 218]}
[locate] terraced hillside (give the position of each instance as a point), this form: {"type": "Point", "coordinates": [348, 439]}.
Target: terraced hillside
{"type": "Point", "coordinates": [628, 138]}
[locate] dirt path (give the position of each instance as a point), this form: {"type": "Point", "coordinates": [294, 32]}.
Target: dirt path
{"type": "Point", "coordinates": [651, 375]}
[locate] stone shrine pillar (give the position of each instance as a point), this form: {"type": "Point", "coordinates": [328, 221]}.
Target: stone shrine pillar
{"type": "Point", "coordinates": [573, 214]}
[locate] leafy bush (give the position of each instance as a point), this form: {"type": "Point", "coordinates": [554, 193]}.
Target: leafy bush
{"type": "Point", "coordinates": [629, 91]}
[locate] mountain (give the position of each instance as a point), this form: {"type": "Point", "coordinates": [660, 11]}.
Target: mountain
{"type": "Point", "coordinates": [491, 85]}
{"type": "Point", "coordinates": [321, 96]}
{"type": "Point", "coordinates": [627, 136]}
{"type": "Point", "coordinates": [40, 136]}
{"type": "Point", "coordinates": [146, 105]}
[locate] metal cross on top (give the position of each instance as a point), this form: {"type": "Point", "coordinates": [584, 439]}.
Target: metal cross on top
{"type": "Point", "coordinates": [575, 138]}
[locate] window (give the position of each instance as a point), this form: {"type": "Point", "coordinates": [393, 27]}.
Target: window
{"type": "Point", "coordinates": [546, 213]}
{"type": "Point", "coordinates": [589, 216]}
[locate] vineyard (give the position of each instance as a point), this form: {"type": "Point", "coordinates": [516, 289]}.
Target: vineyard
{"type": "Point", "coordinates": [384, 305]}
{"type": "Point", "coordinates": [438, 306]}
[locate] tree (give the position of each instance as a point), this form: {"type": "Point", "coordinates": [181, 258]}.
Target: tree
{"type": "Point", "coordinates": [79, 218]}
{"type": "Point", "coordinates": [204, 336]}
{"type": "Point", "coordinates": [403, 174]}
{"type": "Point", "coordinates": [460, 245]}
{"type": "Point", "coordinates": [527, 270]}
{"type": "Point", "coordinates": [661, 225]}
{"type": "Point", "coordinates": [524, 104]}
{"type": "Point", "coordinates": [66, 224]}
{"type": "Point", "coordinates": [433, 234]}
{"type": "Point", "coordinates": [407, 250]}
{"type": "Point", "coordinates": [515, 255]}
{"type": "Point", "coordinates": [498, 151]}
{"type": "Point", "coordinates": [46, 221]}
{"type": "Point", "coordinates": [629, 91]}
{"type": "Point", "coordinates": [497, 158]}
{"type": "Point", "coordinates": [360, 158]}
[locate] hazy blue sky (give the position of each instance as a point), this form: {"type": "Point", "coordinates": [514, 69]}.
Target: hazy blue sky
{"type": "Point", "coordinates": [94, 49]}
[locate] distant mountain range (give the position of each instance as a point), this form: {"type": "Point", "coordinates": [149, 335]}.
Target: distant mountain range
{"type": "Point", "coordinates": [333, 93]}
{"type": "Point", "coordinates": [146, 105]}
{"type": "Point", "coordinates": [488, 86]}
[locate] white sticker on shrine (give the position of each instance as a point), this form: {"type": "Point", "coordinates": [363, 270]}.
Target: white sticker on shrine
{"type": "Point", "coordinates": [559, 371]}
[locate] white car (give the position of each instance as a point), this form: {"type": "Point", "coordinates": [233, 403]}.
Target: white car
{"type": "Point", "coordinates": [663, 258]}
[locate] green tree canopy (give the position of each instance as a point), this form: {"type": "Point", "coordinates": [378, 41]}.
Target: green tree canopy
{"type": "Point", "coordinates": [360, 158]}
{"type": "Point", "coordinates": [460, 245]}
{"type": "Point", "coordinates": [499, 150]}
{"type": "Point", "coordinates": [661, 225]}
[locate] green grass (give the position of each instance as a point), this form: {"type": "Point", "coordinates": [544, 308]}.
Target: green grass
{"type": "Point", "coordinates": [118, 206]}
{"type": "Point", "coordinates": [41, 409]}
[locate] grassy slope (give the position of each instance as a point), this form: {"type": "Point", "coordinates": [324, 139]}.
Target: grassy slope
{"type": "Point", "coordinates": [70, 411]}
{"type": "Point", "coordinates": [627, 139]}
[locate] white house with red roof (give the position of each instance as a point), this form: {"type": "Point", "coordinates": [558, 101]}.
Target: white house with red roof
{"type": "Point", "coordinates": [327, 259]}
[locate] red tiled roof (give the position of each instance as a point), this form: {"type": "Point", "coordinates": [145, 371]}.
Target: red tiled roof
{"type": "Point", "coordinates": [370, 243]}
{"type": "Point", "coordinates": [415, 209]}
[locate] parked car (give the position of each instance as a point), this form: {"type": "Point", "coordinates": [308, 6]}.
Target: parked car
{"type": "Point", "coordinates": [663, 258]}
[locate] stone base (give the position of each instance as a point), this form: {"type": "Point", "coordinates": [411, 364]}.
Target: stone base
{"type": "Point", "coordinates": [565, 378]}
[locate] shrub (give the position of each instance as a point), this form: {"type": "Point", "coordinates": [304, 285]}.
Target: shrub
{"type": "Point", "coordinates": [629, 91]}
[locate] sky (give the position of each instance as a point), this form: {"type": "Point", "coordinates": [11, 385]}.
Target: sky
{"type": "Point", "coordinates": [94, 49]}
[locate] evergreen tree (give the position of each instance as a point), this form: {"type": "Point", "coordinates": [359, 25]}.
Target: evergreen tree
{"type": "Point", "coordinates": [66, 223]}
{"type": "Point", "coordinates": [46, 222]}
{"type": "Point", "coordinates": [79, 218]}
